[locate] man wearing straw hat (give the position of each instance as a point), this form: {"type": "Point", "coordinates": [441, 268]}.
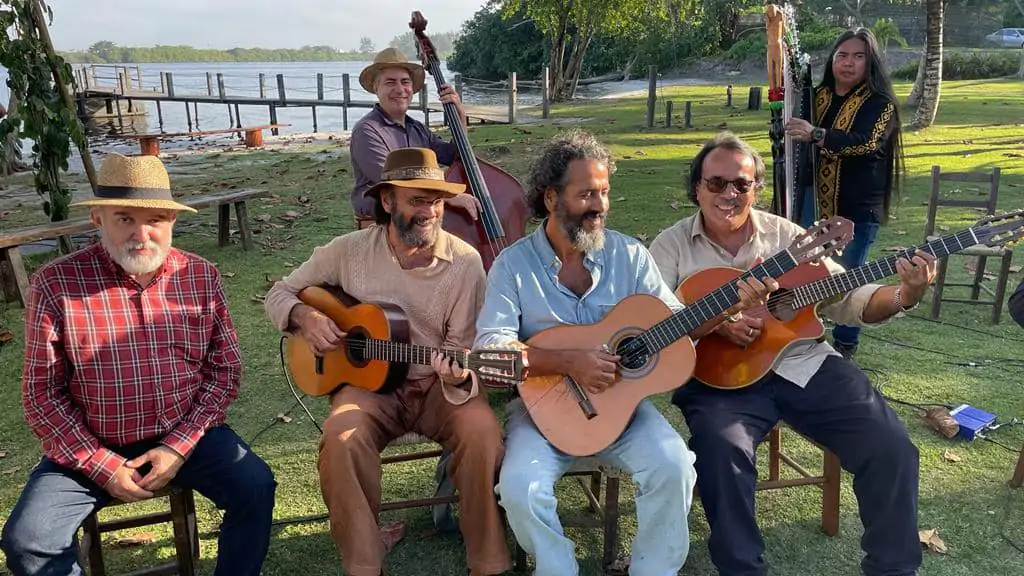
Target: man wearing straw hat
{"type": "Point", "coordinates": [388, 126]}
{"type": "Point", "coordinates": [438, 280]}
{"type": "Point", "coordinates": [131, 360]}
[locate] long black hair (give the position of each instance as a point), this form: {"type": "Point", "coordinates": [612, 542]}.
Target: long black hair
{"type": "Point", "coordinates": [878, 81]}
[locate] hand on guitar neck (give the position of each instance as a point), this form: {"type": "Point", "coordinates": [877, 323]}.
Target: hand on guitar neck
{"type": "Point", "coordinates": [322, 334]}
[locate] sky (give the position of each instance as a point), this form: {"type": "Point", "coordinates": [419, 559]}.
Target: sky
{"type": "Point", "coordinates": [223, 24]}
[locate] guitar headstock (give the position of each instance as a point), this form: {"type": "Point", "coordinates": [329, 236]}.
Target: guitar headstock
{"type": "Point", "coordinates": [504, 366]}
{"type": "Point", "coordinates": [822, 239]}
{"type": "Point", "coordinates": [1000, 229]}
{"type": "Point", "coordinates": [424, 46]}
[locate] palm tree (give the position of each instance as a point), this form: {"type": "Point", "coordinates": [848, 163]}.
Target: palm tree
{"type": "Point", "coordinates": [929, 104]}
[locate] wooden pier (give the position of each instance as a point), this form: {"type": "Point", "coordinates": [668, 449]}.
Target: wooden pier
{"type": "Point", "coordinates": [128, 87]}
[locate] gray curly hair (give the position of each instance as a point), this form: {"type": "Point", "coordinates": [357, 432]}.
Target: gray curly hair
{"type": "Point", "coordinates": [551, 169]}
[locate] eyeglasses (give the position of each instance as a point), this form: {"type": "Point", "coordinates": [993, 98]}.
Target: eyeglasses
{"type": "Point", "coordinates": [717, 184]}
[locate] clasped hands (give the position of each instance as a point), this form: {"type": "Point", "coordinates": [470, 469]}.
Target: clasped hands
{"type": "Point", "coordinates": [129, 485]}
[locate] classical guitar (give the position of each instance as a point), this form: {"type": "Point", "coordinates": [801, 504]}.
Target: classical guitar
{"type": "Point", "coordinates": [376, 353]}
{"type": "Point", "coordinates": [656, 352]}
{"type": "Point", "coordinates": [791, 313]}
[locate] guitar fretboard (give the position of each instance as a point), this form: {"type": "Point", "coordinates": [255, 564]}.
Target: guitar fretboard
{"type": "Point", "coordinates": [402, 352]}
{"type": "Point", "coordinates": [694, 315]}
{"type": "Point", "coordinates": [826, 288]}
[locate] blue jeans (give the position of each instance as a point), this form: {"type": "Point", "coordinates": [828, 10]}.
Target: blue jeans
{"type": "Point", "coordinates": [40, 537]}
{"type": "Point", "coordinates": [855, 254]}
{"type": "Point", "coordinates": [662, 467]}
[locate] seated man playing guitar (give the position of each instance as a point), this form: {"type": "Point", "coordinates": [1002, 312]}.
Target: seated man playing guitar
{"type": "Point", "coordinates": [572, 271]}
{"type": "Point", "coordinates": [437, 280]}
{"type": "Point", "coordinates": [818, 392]}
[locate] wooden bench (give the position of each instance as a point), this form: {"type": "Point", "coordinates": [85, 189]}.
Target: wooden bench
{"type": "Point", "coordinates": [149, 144]}
{"type": "Point", "coordinates": [14, 278]}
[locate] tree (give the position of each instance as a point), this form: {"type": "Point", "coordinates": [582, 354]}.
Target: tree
{"type": "Point", "coordinates": [36, 77]}
{"type": "Point", "coordinates": [914, 98]}
{"type": "Point", "coordinates": [886, 31]}
{"type": "Point", "coordinates": [571, 25]}
{"type": "Point", "coordinates": [929, 105]}
{"type": "Point", "coordinates": [366, 46]}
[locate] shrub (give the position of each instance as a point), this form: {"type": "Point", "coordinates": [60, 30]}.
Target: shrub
{"type": "Point", "coordinates": [968, 66]}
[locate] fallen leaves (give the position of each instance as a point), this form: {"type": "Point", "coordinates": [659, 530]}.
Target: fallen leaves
{"type": "Point", "coordinates": [284, 418]}
{"type": "Point", "coordinates": [3, 454]}
{"type": "Point", "coordinates": [951, 456]}
{"type": "Point", "coordinates": [674, 204]}
{"type": "Point", "coordinates": [6, 336]}
{"type": "Point", "coordinates": [130, 541]}
{"type": "Point", "coordinates": [11, 471]}
{"type": "Point", "coordinates": [930, 540]}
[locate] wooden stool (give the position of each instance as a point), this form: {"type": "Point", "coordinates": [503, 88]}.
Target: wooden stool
{"type": "Point", "coordinates": [607, 517]}
{"type": "Point", "coordinates": [182, 514]}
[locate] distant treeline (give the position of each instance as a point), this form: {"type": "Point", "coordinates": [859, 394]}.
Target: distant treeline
{"type": "Point", "coordinates": [110, 53]}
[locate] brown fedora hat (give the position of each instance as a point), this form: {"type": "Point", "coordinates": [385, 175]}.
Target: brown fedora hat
{"type": "Point", "coordinates": [134, 181]}
{"type": "Point", "coordinates": [391, 58]}
{"type": "Point", "coordinates": [415, 168]}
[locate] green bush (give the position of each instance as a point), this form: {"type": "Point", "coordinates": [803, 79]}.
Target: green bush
{"type": "Point", "coordinates": [968, 66]}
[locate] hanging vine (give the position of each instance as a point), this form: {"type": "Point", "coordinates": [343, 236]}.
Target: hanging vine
{"type": "Point", "coordinates": [41, 114]}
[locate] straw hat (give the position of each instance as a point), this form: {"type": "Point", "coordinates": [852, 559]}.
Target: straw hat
{"type": "Point", "coordinates": [415, 168]}
{"type": "Point", "coordinates": [391, 58]}
{"type": "Point", "coordinates": [136, 181]}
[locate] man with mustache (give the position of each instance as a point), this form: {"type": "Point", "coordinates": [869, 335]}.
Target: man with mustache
{"type": "Point", "coordinates": [572, 270]}
{"type": "Point", "coordinates": [815, 390]}
{"type": "Point", "coordinates": [407, 260]}
{"type": "Point", "coordinates": [131, 361]}
{"type": "Point", "coordinates": [388, 127]}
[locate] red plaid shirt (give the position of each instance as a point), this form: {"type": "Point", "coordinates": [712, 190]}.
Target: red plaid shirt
{"type": "Point", "coordinates": [109, 363]}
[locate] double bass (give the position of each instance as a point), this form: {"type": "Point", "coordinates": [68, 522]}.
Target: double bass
{"type": "Point", "coordinates": [504, 211]}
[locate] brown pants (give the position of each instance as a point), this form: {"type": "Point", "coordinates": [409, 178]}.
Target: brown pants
{"type": "Point", "coordinates": [361, 425]}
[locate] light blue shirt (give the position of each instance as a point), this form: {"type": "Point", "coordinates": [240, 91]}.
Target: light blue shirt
{"type": "Point", "coordinates": [524, 295]}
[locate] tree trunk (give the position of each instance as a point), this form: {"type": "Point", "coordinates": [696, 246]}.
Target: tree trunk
{"type": "Point", "coordinates": [1020, 71]}
{"type": "Point", "coordinates": [10, 148]}
{"type": "Point", "coordinates": [914, 98]}
{"type": "Point", "coordinates": [574, 67]}
{"type": "Point", "coordinates": [929, 105]}
{"type": "Point", "coordinates": [558, 38]}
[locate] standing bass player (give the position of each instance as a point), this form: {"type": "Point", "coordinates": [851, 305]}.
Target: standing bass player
{"type": "Point", "coordinates": [437, 280]}
{"type": "Point", "coordinates": [572, 271]}
{"type": "Point", "coordinates": [817, 392]}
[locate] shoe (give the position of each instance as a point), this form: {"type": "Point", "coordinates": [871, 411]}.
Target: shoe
{"type": "Point", "coordinates": [845, 350]}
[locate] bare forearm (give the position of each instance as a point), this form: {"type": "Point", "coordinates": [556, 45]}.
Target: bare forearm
{"type": "Point", "coordinates": [547, 362]}
{"type": "Point", "coordinates": [883, 305]}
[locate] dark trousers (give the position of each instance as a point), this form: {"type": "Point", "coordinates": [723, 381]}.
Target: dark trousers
{"type": "Point", "coordinates": [40, 535]}
{"type": "Point", "coordinates": [840, 410]}
{"type": "Point", "coordinates": [855, 254]}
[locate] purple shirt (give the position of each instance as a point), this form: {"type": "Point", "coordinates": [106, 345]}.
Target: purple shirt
{"type": "Point", "coordinates": [373, 137]}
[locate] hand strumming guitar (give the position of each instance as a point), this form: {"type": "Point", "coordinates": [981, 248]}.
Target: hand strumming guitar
{"type": "Point", "coordinates": [594, 370]}
{"type": "Point", "coordinates": [322, 334]}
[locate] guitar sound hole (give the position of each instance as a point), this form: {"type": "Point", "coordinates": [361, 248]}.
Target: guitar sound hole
{"type": "Point", "coordinates": [633, 353]}
{"type": "Point", "coordinates": [356, 347]}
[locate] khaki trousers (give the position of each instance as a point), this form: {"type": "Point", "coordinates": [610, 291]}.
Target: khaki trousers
{"type": "Point", "coordinates": [361, 425]}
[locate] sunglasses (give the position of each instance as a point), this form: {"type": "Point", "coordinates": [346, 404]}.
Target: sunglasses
{"type": "Point", "coordinates": [717, 184]}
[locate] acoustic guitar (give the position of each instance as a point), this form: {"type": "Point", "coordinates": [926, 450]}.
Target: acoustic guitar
{"type": "Point", "coordinates": [656, 354]}
{"type": "Point", "coordinates": [376, 354]}
{"type": "Point", "coordinates": [791, 313]}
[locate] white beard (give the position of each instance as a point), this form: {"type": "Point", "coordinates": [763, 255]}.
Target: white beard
{"type": "Point", "coordinates": [136, 264]}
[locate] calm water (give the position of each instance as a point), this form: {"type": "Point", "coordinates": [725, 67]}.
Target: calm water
{"type": "Point", "coordinates": [242, 79]}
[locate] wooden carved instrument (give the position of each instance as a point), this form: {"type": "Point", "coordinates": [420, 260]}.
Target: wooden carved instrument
{"type": "Point", "coordinates": [656, 352]}
{"type": "Point", "coordinates": [504, 214]}
{"type": "Point", "coordinates": [791, 314]}
{"type": "Point", "coordinates": [376, 352]}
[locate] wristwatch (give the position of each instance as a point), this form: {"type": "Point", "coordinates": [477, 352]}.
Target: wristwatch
{"type": "Point", "coordinates": [817, 134]}
{"type": "Point", "coordinates": [897, 299]}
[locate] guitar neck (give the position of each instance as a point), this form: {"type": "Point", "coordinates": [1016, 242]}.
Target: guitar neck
{"type": "Point", "coordinates": [690, 318]}
{"type": "Point", "coordinates": [406, 353]}
{"type": "Point", "coordinates": [477, 185]}
{"type": "Point", "coordinates": [837, 284]}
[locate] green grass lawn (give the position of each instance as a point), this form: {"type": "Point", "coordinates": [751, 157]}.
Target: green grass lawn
{"type": "Point", "coordinates": [962, 489]}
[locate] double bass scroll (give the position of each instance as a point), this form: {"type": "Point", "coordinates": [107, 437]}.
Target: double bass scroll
{"type": "Point", "coordinates": [504, 210]}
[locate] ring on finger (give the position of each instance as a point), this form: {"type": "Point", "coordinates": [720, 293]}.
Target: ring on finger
{"type": "Point", "coordinates": [750, 332]}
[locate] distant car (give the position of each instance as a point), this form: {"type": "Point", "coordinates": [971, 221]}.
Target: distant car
{"type": "Point", "coordinates": [1007, 37]}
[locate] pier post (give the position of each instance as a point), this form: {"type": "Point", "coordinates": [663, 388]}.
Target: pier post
{"type": "Point", "coordinates": [263, 86]}
{"type": "Point", "coordinates": [545, 92]}
{"type": "Point", "coordinates": [209, 83]}
{"type": "Point", "coordinates": [170, 84]}
{"type": "Point", "coordinates": [513, 93]}
{"type": "Point", "coordinates": [652, 93]}
{"type": "Point", "coordinates": [346, 96]}
{"type": "Point", "coordinates": [668, 113]}
{"type": "Point", "coordinates": [688, 116]}
{"type": "Point", "coordinates": [319, 96]}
